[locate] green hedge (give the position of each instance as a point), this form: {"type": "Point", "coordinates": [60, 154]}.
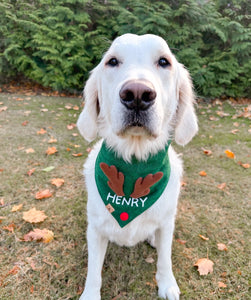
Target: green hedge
{"type": "Point", "coordinates": [56, 43]}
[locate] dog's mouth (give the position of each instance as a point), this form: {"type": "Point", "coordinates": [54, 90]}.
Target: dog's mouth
{"type": "Point", "coordinates": [137, 124]}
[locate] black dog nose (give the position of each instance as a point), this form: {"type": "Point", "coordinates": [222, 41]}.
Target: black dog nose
{"type": "Point", "coordinates": [137, 94]}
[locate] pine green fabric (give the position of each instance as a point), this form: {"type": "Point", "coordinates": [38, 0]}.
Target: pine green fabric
{"type": "Point", "coordinates": [126, 208]}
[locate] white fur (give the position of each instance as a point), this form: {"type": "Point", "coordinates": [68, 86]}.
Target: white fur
{"type": "Point", "coordinates": [172, 115]}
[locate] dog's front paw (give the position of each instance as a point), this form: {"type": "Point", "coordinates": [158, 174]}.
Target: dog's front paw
{"type": "Point", "coordinates": [90, 295]}
{"type": "Point", "coordinates": [169, 291]}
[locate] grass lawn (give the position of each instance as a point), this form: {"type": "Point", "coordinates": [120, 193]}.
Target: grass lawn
{"type": "Point", "coordinates": [215, 207]}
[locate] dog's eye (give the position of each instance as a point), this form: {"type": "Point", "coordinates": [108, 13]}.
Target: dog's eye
{"type": "Point", "coordinates": [163, 62]}
{"type": "Point", "coordinates": [113, 62]}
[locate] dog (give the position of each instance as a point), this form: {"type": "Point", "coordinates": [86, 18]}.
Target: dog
{"type": "Point", "coordinates": [137, 100]}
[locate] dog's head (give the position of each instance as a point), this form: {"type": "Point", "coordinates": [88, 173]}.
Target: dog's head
{"type": "Point", "coordinates": [139, 93]}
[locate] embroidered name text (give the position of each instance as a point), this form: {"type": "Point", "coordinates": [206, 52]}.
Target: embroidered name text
{"type": "Point", "coordinates": [120, 200]}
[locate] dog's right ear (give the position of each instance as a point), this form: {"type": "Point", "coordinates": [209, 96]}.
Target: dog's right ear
{"type": "Point", "coordinates": [87, 121]}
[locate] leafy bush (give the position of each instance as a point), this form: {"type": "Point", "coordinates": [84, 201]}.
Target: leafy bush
{"type": "Point", "coordinates": [57, 43]}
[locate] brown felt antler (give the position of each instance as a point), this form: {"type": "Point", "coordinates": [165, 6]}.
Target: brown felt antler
{"type": "Point", "coordinates": [116, 179]}
{"type": "Point", "coordinates": [142, 185]}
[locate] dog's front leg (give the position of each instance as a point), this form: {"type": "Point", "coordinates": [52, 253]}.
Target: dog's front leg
{"type": "Point", "coordinates": [168, 288]}
{"type": "Point", "coordinates": [97, 246]}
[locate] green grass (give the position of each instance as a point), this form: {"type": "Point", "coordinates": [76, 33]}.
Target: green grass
{"type": "Point", "coordinates": [57, 270]}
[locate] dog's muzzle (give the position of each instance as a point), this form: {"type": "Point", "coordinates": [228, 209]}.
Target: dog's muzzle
{"type": "Point", "coordinates": [137, 95]}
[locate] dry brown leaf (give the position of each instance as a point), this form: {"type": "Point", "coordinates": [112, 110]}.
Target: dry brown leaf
{"type": "Point", "coordinates": [234, 131]}
{"type": "Point", "coordinates": [17, 207]}
{"type": "Point", "coordinates": [203, 173]}
{"type": "Point", "coordinates": [31, 171]}
{"type": "Point", "coordinates": [51, 150]}
{"type": "Point", "coordinates": [75, 107]}
{"type": "Point", "coordinates": [203, 237]}
{"type": "Point", "coordinates": [30, 150]}
{"type": "Point", "coordinates": [222, 186]}
{"type": "Point", "coordinates": [182, 242]}
{"type": "Point", "coordinates": [229, 154]}
{"type": "Point", "coordinates": [222, 247]}
{"type": "Point", "coordinates": [34, 216]}
{"type": "Point", "coordinates": [204, 265]}
{"type": "Point", "coordinates": [43, 235]}
{"type": "Point", "coordinates": [221, 284]}
{"type": "Point", "coordinates": [52, 140]}
{"type": "Point", "coordinates": [14, 270]}
{"type": "Point", "coordinates": [41, 131]}
{"type": "Point", "coordinates": [43, 194]}
{"type": "Point", "coordinates": [57, 182]}
{"type": "Point", "coordinates": [25, 123]}
{"type": "Point", "coordinates": [245, 166]}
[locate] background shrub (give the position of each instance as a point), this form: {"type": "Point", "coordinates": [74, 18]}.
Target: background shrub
{"type": "Point", "coordinates": [57, 42]}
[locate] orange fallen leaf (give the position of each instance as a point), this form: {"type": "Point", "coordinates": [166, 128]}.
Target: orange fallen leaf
{"type": "Point", "coordinates": [204, 265]}
{"type": "Point", "coordinates": [182, 242]}
{"type": "Point", "coordinates": [10, 227]}
{"type": "Point", "coordinates": [245, 166]}
{"type": "Point", "coordinates": [75, 107]}
{"type": "Point", "coordinates": [41, 131]}
{"type": "Point", "coordinates": [89, 149]}
{"type": "Point", "coordinates": [222, 247]}
{"type": "Point", "coordinates": [43, 235]}
{"type": "Point", "coordinates": [25, 123]}
{"type": "Point", "coordinates": [222, 186]}
{"type": "Point", "coordinates": [51, 150]}
{"type": "Point", "coordinates": [57, 182]}
{"type": "Point", "coordinates": [221, 284]}
{"type": "Point", "coordinates": [31, 171]}
{"type": "Point", "coordinates": [34, 216]}
{"type": "Point", "coordinates": [229, 154]}
{"type": "Point", "coordinates": [203, 173]}
{"type": "Point", "coordinates": [14, 270]}
{"type": "Point", "coordinates": [234, 131]}
{"type": "Point", "coordinates": [203, 237]}
{"type": "Point", "coordinates": [207, 152]}
{"type": "Point", "coordinates": [52, 140]}
{"type": "Point", "coordinates": [17, 207]}
{"type": "Point", "coordinates": [43, 194]}
{"type": "Point", "coordinates": [1, 201]}
{"type": "Point", "coordinates": [77, 154]}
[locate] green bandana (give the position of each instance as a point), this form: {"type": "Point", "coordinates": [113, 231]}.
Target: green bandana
{"type": "Point", "coordinates": [128, 189]}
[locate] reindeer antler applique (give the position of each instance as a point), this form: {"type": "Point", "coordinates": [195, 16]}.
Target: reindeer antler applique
{"type": "Point", "coordinates": [142, 185]}
{"type": "Point", "coordinates": [116, 178]}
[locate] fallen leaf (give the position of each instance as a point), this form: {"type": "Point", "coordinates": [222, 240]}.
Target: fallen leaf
{"type": "Point", "coordinates": [44, 109]}
{"type": "Point", "coordinates": [1, 201]}
{"type": "Point", "coordinates": [203, 173]}
{"type": "Point", "coordinates": [182, 242]}
{"type": "Point", "coordinates": [17, 207]}
{"type": "Point", "coordinates": [203, 237]}
{"type": "Point", "coordinates": [222, 186]}
{"type": "Point", "coordinates": [34, 216]}
{"type": "Point", "coordinates": [3, 108]}
{"type": "Point", "coordinates": [57, 182]}
{"type": "Point", "coordinates": [222, 247]}
{"type": "Point", "coordinates": [14, 270]}
{"type": "Point", "coordinates": [48, 169]}
{"type": "Point", "coordinates": [51, 150]}
{"type": "Point", "coordinates": [229, 154]}
{"type": "Point", "coordinates": [245, 166]}
{"type": "Point", "coordinates": [10, 227]}
{"type": "Point", "coordinates": [204, 265]}
{"type": "Point", "coordinates": [25, 123]}
{"type": "Point", "coordinates": [31, 171]}
{"type": "Point", "coordinates": [221, 285]}
{"type": "Point", "coordinates": [43, 235]}
{"type": "Point", "coordinates": [149, 260]}
{"type": "Point", "coordinates": [77, 154]}
{"type": "Point", "coordinates": [234, 131]}
{"type": "Point", "coordinates": [29, 150]}
{"type": "Point", "coordinates": [71, 126]}
{"type": "Point", "coordinates": [75, 107]}
{"type": "Point", "coordinates": [75, 134]}
{"type": "Point", "coordinates": [43, 194]}
{"type": "Point", "coordinates": [52, 140]}
{"type": "Point", "coordinates": [19, 99]}
{"type": "Point", "coordinates": [207, 152]}
{"type": "Point", "coordinates": [41, 131]}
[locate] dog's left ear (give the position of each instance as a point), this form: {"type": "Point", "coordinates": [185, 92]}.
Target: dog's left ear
{"type": "Point", "coordinates": [186, 120]}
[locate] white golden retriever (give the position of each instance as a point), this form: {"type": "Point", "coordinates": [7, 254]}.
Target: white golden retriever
{"type": "Point", "coordinates": [137, 99]}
